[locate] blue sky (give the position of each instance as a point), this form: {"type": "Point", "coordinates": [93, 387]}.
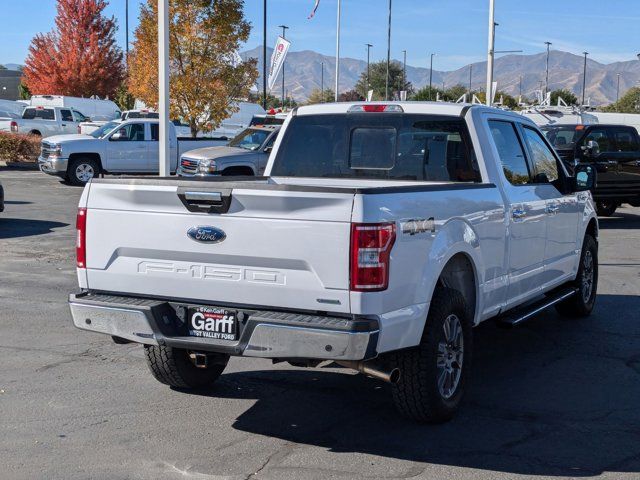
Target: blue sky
{"type": "Point", "coordinates": [455, 29]}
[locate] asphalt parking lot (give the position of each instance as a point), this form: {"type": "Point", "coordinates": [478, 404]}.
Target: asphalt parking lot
{"type": "Point", "coordinates": [551, 399]}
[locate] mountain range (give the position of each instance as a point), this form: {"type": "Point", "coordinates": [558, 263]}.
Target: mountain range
{"type": "Point", "coordinates": [303, 73]}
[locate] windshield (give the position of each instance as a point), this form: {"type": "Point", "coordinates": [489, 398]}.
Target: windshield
{"type": "Point", "coordinates": [377, 146]}
{"type": "Point", "coordinates": [250, 139]}
{"type": "Point", "coordinates": [563, 137]}
{"type": "Point", "coordinates": [104, 129]}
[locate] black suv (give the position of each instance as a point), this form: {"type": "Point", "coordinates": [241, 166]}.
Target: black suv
{"type": "Point", "coordinates": [614, 150]}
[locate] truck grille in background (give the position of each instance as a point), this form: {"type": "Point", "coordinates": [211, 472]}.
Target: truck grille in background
{"type": "Point", "coordinates": [188, 165]}
{"type": "Point", "coordinates": [45, 150]}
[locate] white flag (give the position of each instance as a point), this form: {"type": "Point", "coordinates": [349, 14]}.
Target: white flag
{"type": "Point", "coordinates": [277, 59]}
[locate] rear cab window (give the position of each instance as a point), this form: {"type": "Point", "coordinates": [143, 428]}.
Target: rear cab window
{"type": "Point", "coordinates": [39, 114]}
{"type": "Point", "coordinates": [391, 146]}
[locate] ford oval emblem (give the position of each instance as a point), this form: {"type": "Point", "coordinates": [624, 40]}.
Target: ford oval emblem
{"type": "Point", "coordinates": [206, 234]}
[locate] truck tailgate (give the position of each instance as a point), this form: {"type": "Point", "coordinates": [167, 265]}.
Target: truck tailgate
{"type": "Point", "coordinates": [282, 246]}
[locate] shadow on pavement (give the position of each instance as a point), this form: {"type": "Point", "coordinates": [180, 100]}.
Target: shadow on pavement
{"type": "Point", "coordinates": [620, 221]}
{"type": "Point", "coordinates": [554, 397]}
{"type": "Point", "coordinates": [16, 202]}
{"type": "Point", "coordinates": [16, 227]}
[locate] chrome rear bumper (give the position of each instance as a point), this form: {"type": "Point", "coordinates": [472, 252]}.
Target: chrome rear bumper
{"type": "Point", "coordinates": [265, 334]}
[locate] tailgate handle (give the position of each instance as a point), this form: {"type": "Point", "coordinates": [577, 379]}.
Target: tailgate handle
{"type": "Point", "coordinates": [217, 201]}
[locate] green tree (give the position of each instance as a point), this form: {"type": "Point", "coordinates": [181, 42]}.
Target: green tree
{"type": "Point", "coordinates": [350, 96]}
{"type": "Point", "coordinates": [566, 95]}
{"type": "Point", "coordinates": [316, 96]}
{"type": "Point", "coordinates": [377, 80]}
{"type": "Point", "coordinates": [124, 99]}
{"type": "Point", "coordinates": [628, 103]}
{"type": "Point", "coordinates": [23, 92]}
{"type": "Point", "coordinates": [272, 100]}
{"type": "Point", "coordinates": [423, 95]}
{"type": "Point", "coordinates": [455, 92]}
{"type": "Point", "coordinates": [2, 67]}
{"type": "Point", "coordinates": [507, 100]}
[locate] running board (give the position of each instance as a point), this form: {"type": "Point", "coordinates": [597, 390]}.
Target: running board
{"type": "Point", "coordinates": [522, 314]}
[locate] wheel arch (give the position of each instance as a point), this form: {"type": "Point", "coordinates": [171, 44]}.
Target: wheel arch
{"type": "Point", "coordinates": [77, 156]}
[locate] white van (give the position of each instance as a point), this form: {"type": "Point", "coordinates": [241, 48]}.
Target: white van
{"type": "Point", "coordinates": [93, 108]}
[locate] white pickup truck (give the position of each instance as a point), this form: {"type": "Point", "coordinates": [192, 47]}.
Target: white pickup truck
{"type": "Point", "coordinates": [380, 236]}
{"type": "Point", "coordinates": [116, 147]}
{"type": "Point", "coordinates": [44, 121]}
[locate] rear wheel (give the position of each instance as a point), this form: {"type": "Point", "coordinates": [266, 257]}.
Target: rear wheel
{"type": "Point", "coordinates": [586, 282]}
{"type": "Point", "coordinates": [434, 374]}
{"type": "Point", "coordinates": [173, 367]}
{"type": "Point", "coordinates": [82, 170]}
{"type": "Point", "coordinates": [606, 208]}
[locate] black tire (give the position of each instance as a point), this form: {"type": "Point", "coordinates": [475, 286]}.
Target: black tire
{"type": "Point", "coordinates": [81, 170]}
{"type": "Point", "coordinates": [173, 367]}
{"type": "Point", "coordinates": [606, 208]}
{"type": "Point", "coordinates": [582, 303]}
{"type": "Point", "coordinates": [417, 395]}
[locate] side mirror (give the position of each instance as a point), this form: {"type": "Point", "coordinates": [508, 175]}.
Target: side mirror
{"type": "Point", "coordinates": [115, 137]}
{"type": "Point", "coordinates": [592, 148]}
{"type": "Point", "coordinates": [268, 149]}
{"type": "Point", "coordinates": [585, 178]}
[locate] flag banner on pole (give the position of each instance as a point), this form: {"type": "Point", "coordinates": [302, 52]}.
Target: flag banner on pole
{"type": "Point", "coordinates": [277, 60]}
{"type": "Point", "coordinates": [313, 12]}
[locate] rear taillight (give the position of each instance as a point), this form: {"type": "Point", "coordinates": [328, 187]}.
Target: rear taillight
{"type": "Point", "coordinates": [371, 245]}
{"type": "Point", "coordinates": [14, 127]}
{"type": "Point", "coordinates": [81, 239]}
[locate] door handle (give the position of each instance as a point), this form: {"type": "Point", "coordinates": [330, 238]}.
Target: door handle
{"type": "Point", "coordinates": [518, 213]}
{"type": "Point", "coordinates": [64, 124]}
{"type": "Point", "coordinates": [553, 208]}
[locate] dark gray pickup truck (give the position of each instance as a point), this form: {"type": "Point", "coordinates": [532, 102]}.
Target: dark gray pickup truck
{"type": "Point", "coordinates": [614, 150]}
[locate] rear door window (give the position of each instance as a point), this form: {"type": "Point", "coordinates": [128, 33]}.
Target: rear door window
{"type": "Point", "coordinates": [601, 137]}
{"type": "Point", "coordinates": [377, 146]}
{"type": "Point", "coordinates": [543, 160]}
{"type": "Point", "coordinates": [510, 151]}
{"type": "Point", "coordinates": [66, 115]}
{"type": "Point", "coordinates": [626, 140]}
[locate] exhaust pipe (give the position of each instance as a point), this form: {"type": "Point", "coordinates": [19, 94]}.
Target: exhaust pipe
{"type": "Point", "coordinates": [372, 370]}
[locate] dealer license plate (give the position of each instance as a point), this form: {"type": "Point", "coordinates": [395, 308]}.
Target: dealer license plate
{"type": "Point", "coordinates": [213, 322]}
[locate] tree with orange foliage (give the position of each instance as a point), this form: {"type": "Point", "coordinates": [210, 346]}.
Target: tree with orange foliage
{"type": "Point", "coordinates": [79, 57]}
{"type": "Point", "coordinates": [206, 73]}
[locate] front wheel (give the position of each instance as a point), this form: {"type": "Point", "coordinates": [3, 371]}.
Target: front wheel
{"type": "Point", "coordinates": [434, 374]}
{"type": "Point", "coordinates": [82, 170]}
{"type": "Point", "coordinates": [606, 208]}
{"type": "Point", "coordinates": [173, 367]}
{"type": "Point", "coordinates": [586, 283]}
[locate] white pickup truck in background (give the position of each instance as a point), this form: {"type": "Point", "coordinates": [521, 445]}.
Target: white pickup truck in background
{"type": "Point", "coordinates": [44, 121]}
{"type": "Point", "coordinates": [116, 147]}
{"type": "Point", "coordinates": [381, 235]}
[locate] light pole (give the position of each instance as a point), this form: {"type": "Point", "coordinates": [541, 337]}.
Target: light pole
{"type": "Point", "coordinates": [431, 75]}
{"type": "Point", "coordinates": [386, 88]}
{"type": "Point", "coordinates": [546, 87]}
{"type": "Point", "coordinates": [338, 49]}
{"type": "Point", "coordinates": [368, 70]}
{"type": "Point", "coordinates": [404, 70]}
{"type": "Point", "coordinates": [618, 89]}
{"type": "Point", "coordinates": [264, 56]}
{"type": "Point", "coordinates": [284, 31]}
{"type": "Point", "coordinates": [322, 82]}
{"type": "Point", "coordinates": [470, 77]}
{"type": "Point", "coordinates": [490, 54]}
{"type": "Point", "coordinates": [163, 88]}
{"type": "Point", "coordinates": [520, 90]}
{"type": "Point", "coordinates": [584, 77]}
{"type": "Point", "coordinates": [126, 26]}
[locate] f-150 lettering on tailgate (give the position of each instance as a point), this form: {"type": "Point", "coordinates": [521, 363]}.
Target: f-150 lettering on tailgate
{"type": "Point", "coordinates": [212, 272]}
